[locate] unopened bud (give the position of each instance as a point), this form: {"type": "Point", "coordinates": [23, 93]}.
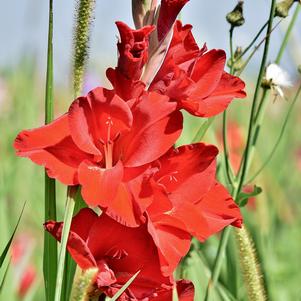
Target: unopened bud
{"type": "Point", "coordinates": [235, 17]}
{"type": "Point", "coordinates": [283, 7]}
{"type": "Point", "coordinates": [266, 84]}
{"type": "Point", "coordinates": [236, 62]}
{"type": "Point", "coordinates": [143, 12]}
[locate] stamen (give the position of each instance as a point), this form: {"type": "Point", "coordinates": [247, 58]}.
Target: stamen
{"type": "Point", "coordinates": [109, 123]}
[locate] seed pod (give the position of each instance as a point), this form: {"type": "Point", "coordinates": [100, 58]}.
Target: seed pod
{"type": "Point", "coordinates": [283, 7]}
{"type": "Point", "coordinates": [235, 17]}
{"type": "Point", "coordinates": [84, 17]}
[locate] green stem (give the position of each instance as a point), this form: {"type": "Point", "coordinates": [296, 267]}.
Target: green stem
{"type": "Point", "coordinates": [229, 171]}
{"type": "Point", "coordinates": [255, 49]}
{"type": "Point", "coordinates": [258, 123]}
{"type": "Point", "coordinates": [245, 163]}
{"type": "Point", "coordinates": [254, 40]}
{"type": "Point", "coordinates": [287, 34]}
{"type": "Point", "coordinates": [50, 244]}
{"type": "Point", "coordinates": [65, 234]}
{"type": "Point", "coordinates": [279, 137]}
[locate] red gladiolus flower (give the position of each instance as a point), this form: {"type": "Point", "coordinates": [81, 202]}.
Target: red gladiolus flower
{"type": "Point", "coordinates": [194, 77]}
{"type": "Point", "coordinates": [118, 255]}
{"type": "Point", "coordinates": [100, 142]}
{"type": "Point", "coordinates": [187, 202]}
{"type": "Point", "coordinates": [133, 54]}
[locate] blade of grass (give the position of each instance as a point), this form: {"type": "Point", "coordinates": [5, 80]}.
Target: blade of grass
{"type": "Point", "coordinates": [5, 251]}
{"type": "Point", "coordinates": [4, 277]}
{"type": "Point", "coordinates": [70, 265]}
{"type": "Point", "coordinates": [50, 244]}
{"type": "Point", "coordinates": [65, 234]}
{"type": "Point", "coordinates": [128, 283]}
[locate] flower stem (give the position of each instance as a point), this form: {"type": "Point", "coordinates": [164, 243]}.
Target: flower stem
{"type": "Point", "coordinates": [229, 171]}
{"type": "Point", "coordinates": [287, 34]}
{"type": "Point", "coordinates": [244, 163]}
{"type": "Point", "coordinates": [218, 262]}
{"type": "Point", "coordinates": [255, 49]}
{"type": "Point", "coordinates": [254, 40]}
{"type": "Point", "coordinates": [50, 244]}
{"type": "Point", "coordinates": [279, 137]}
{"type": "Point", "coordinates": [65, 234]}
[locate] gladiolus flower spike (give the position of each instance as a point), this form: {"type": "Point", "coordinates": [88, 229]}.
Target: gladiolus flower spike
{"type": "Point", "coordinates": [118, 145]}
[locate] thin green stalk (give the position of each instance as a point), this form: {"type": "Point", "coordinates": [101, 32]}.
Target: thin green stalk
{"type": "Point", "coordinates": [50, 244]}
{"type": "Point", "coordinates": [255, 49]}
{"type": "Point", "coordinates": [258, 122]}
{"type": "Point", "coordinates": [269, 158]}
{"type": "Point", "coordinates": [254, 40]}
{"type": "Point", "coordinates": [229, 171]}
{"type": "Point", "coordinates": [256, 94]}
{"type": "Point", "coordinates": [237, 189]}
{"type": "Point", "coordinates": [287, 34]}
{"type": "Point", "coordinates": [263, 103]}
{"type": "Point", "coordinates": [218, 262]}
{"type": "Point", "coordinates": [65, 234]}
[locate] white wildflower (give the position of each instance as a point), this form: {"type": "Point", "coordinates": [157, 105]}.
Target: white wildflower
{"type": "Point", "coordinates": [278, 79]}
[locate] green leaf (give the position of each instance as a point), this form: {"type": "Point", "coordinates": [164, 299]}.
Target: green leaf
{"type": "Point", "coordinates": [4, 277]}
{"type": "Point", "coordinates": [50, 244]}
{"type": "Point", "coordinates": [65, 234]}
{"type": "Point", "coordinates": [244, 197]}
{"type": "Point", "coordinates": [5, 251]}
{"type": "Point", "coordinates": [70, 265]}
{"type": "Point", "coordinates": [119, 293]}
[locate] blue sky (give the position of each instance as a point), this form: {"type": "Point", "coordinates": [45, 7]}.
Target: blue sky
{"type": "Point", "coordinates": [23, 30]}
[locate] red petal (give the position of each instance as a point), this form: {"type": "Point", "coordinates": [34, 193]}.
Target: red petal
{"type": "Point", "coordinates": [125, 88]}
{"type": "Point", "coordinates": [185, 290]}
{"type": "Point", "coordinates": [155, 129]}
{"type": "Point", "coordinates": [105, 276]}
{"type": "Point", "coordinates": [172, 242]}
{"type": "Point", "coordinates": [98, 118]}
{"type": "Point", "coordinates": [228, 88]}
{"type": "Point", "coordinates": [124, 208]}
{"type": "Point", "coordinates": [136, 244]}
{"type": "Point", "coordinates": [207, 73]}
{"type": "Point", "coordinates": [188, 172]}
{"type": "Point", "coordinates": [99, 185]}
{"type": "Point", "coordinates": [52, 146]}
{"type": "Point", "coordinates": [133, 50]}
{"type": "Point", "coordinates": [169, 11]}
{"type": "Point", "coordinates": [219, 210]}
